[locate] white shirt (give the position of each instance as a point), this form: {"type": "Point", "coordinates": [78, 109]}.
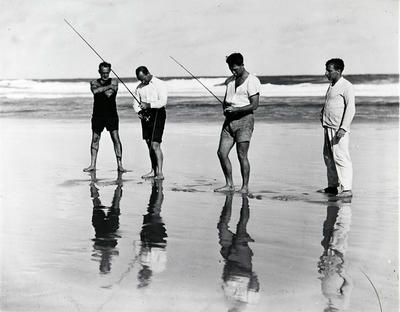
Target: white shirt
{"type": "Point", "coordinates": [339, 108]}
{"type": "Point", "coordinates": [240, 96]}
{"type": "Point", "coordinates": [155, 93]}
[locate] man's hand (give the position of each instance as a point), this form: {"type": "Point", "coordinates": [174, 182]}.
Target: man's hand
{"type": "Point", "coordinates": [144, 105]}
{"type": "Point", "coordinates": [230, 110]}
{"type": "Point", "coordinates": [339, 134]}
{"type": "Point", "coordinates": [110, 91]}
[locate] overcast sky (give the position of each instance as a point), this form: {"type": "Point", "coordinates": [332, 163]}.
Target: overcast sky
{"type": "Point", "coordinates": [285, 37]}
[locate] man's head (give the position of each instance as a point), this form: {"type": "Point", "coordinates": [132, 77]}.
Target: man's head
{"type": "Point", "coordinates": [333, 69]}
{"type": "Point", "coordinates": [235, 63]}
{"type": "Point", "coordinates": [104, 70]}
{"type": "Point", "coordinates": [143, 74]}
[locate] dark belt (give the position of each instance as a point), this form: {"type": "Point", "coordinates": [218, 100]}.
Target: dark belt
{"type": "Point", "coordinates": [236, 116]}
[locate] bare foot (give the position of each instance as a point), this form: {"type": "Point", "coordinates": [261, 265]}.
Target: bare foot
{"type": "Point", "coordinates": [148, 175]}
{"type": "Point", "coordinates": [89, 169]}
{"type": "Point", "coordinates": [159, 177]}
{"type": "Point", "coordinates": [225, 189]}
{"type": "Point", "coordinates": [121, 169]}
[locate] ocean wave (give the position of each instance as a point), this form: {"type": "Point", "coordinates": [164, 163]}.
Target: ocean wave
{"type": "Point", "coordinates": [19, 89]}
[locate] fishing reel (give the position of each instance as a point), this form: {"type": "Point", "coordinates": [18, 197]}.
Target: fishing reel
{"type": "Point", "coordinates": [144, 114]}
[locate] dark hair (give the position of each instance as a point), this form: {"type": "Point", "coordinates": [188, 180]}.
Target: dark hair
{"type": "Point", "coordinates": [104, 64]}
{"type": "Point", "coordinates": [234, 59]}
{"type": "Point", "coordinates": [142, 69]}
{"type": "Point", "coordinates": [337, 63]}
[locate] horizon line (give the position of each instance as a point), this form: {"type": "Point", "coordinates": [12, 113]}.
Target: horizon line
{"type": "Point", "coordinates": [206, 76]}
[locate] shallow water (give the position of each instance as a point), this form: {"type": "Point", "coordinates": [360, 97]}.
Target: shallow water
{"type": "Point", "coordinates": [74, 242]}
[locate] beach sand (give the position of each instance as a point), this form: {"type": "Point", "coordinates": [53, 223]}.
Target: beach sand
{"type": "Point", "coordinates": [55, 257]}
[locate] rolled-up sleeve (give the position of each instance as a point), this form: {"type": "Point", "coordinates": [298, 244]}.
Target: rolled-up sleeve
{"type": "Point", "coordinates": [350, 107]}
{"type": "Point", "coordinates": [162, 95]}
{"type": "Point", "coordinates": [135, 105]}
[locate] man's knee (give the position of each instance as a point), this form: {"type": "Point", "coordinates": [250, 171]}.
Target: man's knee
{"type": "Point", "coordinates": [96, 138]}
{"type": "Point", "coordinates": [155, 146]}
{"type": "Point", "coordinates": [222, 154]}
{"type": "Point", "coordinates": [114, 135]}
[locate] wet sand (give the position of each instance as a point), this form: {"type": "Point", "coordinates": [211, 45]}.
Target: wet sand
{"type": "Point", "coordinates": [72, 242]}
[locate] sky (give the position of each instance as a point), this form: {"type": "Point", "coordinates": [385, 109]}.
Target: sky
{"type": "Point", "coordinates": [285, 37]}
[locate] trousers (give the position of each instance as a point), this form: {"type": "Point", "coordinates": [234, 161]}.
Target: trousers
{"type": "Point", "coordinates": [337, 160]}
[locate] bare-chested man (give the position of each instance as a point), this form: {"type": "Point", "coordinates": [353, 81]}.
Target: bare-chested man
{"type": "Point", "coordinates": [105, 115]}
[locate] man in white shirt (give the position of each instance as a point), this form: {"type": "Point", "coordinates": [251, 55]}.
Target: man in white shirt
{"type": "Point", "coordinates": [336, 117]}
{"type": "Point", "coordinates": [152, 94]}
{"type": "Point", "coordinates": [241, 99]}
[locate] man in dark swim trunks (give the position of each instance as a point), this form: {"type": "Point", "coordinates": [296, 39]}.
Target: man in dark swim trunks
{"type": "Point", "coordinates": [152, 94]}
{"type": "Point", "coordinates": [104, 115]}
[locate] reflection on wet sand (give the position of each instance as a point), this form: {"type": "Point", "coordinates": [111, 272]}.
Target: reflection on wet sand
{"type": "Point", "coordinates": [336, 283]}
{"type": "Point", "coordinates": [239, 282]}
{"type": "Point", "coordinates": [105, 221]}
{"type": "Point", "coordinates": [152, 254]}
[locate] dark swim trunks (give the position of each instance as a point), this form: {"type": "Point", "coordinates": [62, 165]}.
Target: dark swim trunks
{"type": "Point", "coordinates": [99, 123]}
{"type": "Point", "coordinates": [153, 124]}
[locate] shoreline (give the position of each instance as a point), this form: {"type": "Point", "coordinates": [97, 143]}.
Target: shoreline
{"type": "Point", "coordinates": [52, 231]}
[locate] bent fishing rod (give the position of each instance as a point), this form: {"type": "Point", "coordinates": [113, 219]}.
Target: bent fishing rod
{"type": "Point", "coordinates": [69, 24]}
{"type": "Point", "coordinates": [196, 79]}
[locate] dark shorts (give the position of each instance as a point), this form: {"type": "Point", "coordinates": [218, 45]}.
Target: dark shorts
{"type": "Point", "coordinates": [153, 126]}
{"type": "Point", "coordinates": [238, 130]}
{"type": "Point", "coordinates": [99, 123]}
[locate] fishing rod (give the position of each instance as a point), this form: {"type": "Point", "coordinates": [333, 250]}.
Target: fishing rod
{"type": "Point", "coordinates": [69, 24]}
{"type": "Point", "coordinates": [196, 79]}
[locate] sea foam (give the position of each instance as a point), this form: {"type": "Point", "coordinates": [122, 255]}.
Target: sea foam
{"type": "Point", "coordinates": [19, 89]}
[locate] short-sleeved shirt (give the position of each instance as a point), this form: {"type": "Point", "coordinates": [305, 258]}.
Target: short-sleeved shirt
{"type": "Point", "coordinates": [240, 96]}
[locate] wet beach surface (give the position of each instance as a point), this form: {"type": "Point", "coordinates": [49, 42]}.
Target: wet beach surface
{"type": "Point", "coordinates": [72, 241]}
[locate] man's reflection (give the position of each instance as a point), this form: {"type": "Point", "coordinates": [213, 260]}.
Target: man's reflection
{"type": "Point", "coordinates": [105, 221]}
{"type": "Point", "coordinates": [152, 255]}
{"type": "Point", "coordinates": [336, 283]}
{"type": "Point", "coordinates": [239, 282]}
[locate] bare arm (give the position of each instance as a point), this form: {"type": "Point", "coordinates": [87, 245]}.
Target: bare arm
{"type": "Point", "coordinates": [113, 88]}
{"type": "Point", "coordinates": [96, 87]}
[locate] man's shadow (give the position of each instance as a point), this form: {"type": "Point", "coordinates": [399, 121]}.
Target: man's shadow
{"type": "Point", "coordinates": [152, 254]}
{"type": "Point", "coordinates": [336, 283]}
{"type": "Point", "coordinates": [239, 283]}
{"type": "Point", "coordinates": [105, 221]}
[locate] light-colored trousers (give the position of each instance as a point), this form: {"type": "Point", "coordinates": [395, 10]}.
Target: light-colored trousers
{"type": "Point", "coordinates": [337, 160]}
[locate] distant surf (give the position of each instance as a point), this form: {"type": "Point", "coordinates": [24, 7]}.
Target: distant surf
{"type": "Point", "coordinates": [272, 86]}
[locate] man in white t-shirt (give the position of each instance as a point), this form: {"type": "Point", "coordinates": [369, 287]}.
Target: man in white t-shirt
{"type": "Point", "coordinates": [241, 99]}
{"type": "Point", "coordinates": [336, 117]}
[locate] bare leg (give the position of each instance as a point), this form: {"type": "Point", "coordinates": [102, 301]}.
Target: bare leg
{"type": "Point", "coordinates": [118, 149]}
{"type": "Point", "coordinates": [242, 149]}
{"type": "Point", "coordinates": [225, 146]}
{"type": "Point", "coordinates": [153, 162]}
{"type": "Point", "coordinates": [156, 148]}
{"type": "Point", "coordinates": [94, 148]}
